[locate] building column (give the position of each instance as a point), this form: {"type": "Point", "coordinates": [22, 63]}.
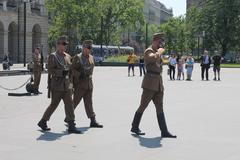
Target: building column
{"type": "Point", "coordinates": [4, 5]}
{"type": "Point", "coordinates": [28, 8]}
{"type": "Point", "coordinates": [5, 48]}
{"type": "Point", "coordinates": [42, 8]}
{"type": "Point", "coordinates": [44, 43]}
{"type": "Point", "coordinates": [29, 50]}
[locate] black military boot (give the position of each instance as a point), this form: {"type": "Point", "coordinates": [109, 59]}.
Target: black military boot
{"type": "Point", "coordinates": [72, 128]}
{"type": "Point", "coordinates": [35, 92]}
{"type": "Point", "coordinates": [135, 124]}
{"type": "Point", "coordinates": [163, 126]}
{"type": "Point", "coordinates": [94, 123]}
{"type": "Point", "coordinates": [43, 125]}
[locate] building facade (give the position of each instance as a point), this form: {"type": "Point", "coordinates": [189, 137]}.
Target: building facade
{"type": "Point", "coordinates": [156, 12]}
{"type": "Point", "coordinates": [12, 29]}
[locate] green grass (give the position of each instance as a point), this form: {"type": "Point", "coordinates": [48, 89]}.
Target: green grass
{"type": "Point", "coordinates": [117, 58]}
{"type": "Point", "coordinates": [230, 65]}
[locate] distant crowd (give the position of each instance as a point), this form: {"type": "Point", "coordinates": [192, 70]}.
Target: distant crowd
{"type": "Point", "coordinates": [182, 64]}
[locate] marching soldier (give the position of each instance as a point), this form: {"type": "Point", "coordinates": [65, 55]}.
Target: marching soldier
{"type": "Point", "coordinates": [60, 86]}
{"type": "Point", "coordinates": [152, 85]}
{"type": "Point", "coordinates": [37, 69]}
{"type": "Point", "coordinates": [82, 69]}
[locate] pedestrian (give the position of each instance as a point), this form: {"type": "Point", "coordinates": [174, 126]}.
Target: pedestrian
{"type": "Point", "coordinates": [82, 71]}
{"type": "Point", "coordinates": [141, 66]}
{"type": "Point", "coordinates": [131, 63]}
{"type": "Point", "coordinates": [205, 65]}
{"type": "Point", "coordinates": [172, 67]}
{"type": "Point", "coordinates": [189, 67]}
{"type": "Point", "coordinates": [217, 59]}
{"type": "Point", "coordinates": [6, 63]}
{"type": "Point", "coordinates": [60, 86]}
{"type": "Point", "coordinates": [152, 85]}
{"type": "Point", "coordinates": [180, 68]}
{"type": "Point", "coordinates": [37, 69]}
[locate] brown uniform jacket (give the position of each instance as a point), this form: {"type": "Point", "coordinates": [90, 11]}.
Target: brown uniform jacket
{"type": "Point", "coordinates": [37, 67]}
{"type": "Point", "coordinates": [59, 82]}
{"type": "Point", "coordinates": [153, 79]}
{"type": "Point", "coordinates": [80, 80]}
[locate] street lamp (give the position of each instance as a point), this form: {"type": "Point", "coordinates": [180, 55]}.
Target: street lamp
{"type": "Point", "coordinates": [101, 37]}
{"type": "Point", "coordinates": [203, 35]}
{"type": "Point", "coordinates": [24, 29]}
{"type": "Point", "coordinates": [147, 22]}
{"type": "Point", "coordinates": [198, 43]}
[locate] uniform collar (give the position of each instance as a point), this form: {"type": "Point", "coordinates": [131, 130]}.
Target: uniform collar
{"type": "Point", "coordinates": [61, 54]}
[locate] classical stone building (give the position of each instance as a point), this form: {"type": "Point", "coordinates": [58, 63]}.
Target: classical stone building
{"type": "Point", "coordinates": [156, 12]}
{"type": "Point", "coordinates": [12, 29]}
{"type": "Point", "coordinates": [197, 3]}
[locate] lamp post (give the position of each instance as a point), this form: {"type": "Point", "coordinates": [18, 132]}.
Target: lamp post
{"type": "Point", "coordinates": [138, 28]}
{"type": "Point", "coordinates": [147, 22]}
{"type": "Point", "coordinates": [198, 43]}
{"type": "Point", "coordinates": [203, 35]}
{"type": "Point", "coordinates": [24, 32]}
{"type": "Point", "coordinates": [18, 38]}
{"type": "Point", "coordinates": [101, 37]}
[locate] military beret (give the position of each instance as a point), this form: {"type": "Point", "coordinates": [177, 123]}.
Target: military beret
{"type": "Point", "coordinates": [157, 36]}
{"type": "Point", "coordinates": [62, 40]}
{"type": "Point", "coordinates": [87, 43]}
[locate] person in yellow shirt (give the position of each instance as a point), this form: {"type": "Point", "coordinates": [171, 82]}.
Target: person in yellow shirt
{"type": "Point", "coordinates": [131, 63]}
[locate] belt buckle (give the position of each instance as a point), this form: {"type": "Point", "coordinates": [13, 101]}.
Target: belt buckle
{"type": "Point", "coordinates": [67, 77]}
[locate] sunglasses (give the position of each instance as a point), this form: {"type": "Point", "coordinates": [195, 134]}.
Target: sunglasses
{"type": "Point", "coordinates": [89, 47]}
{"type": "Point", "coordinates": [63, 43]}
{"type": "Point", "coordinates": [162, 40]}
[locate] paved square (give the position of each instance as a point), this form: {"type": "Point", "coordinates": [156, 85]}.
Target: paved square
{"type": "Point", "coordinates": [204, 115]}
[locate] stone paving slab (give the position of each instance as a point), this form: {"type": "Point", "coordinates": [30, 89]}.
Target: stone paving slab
{"type": "Point", "coordinates": [204, 115]}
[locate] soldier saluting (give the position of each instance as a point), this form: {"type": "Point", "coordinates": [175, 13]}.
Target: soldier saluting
{"type": "Point", "coordinates": [152, 85]}
{"type": "Point", "coordinates": [82, 69]}
{"type": "Point", "coordinates": [60, 86]}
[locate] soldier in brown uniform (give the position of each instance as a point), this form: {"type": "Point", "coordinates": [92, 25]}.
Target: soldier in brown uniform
{"type": "Point", "coordinates": [60, 86]}
{"type": "Point", "coordinates": [152, 85]}
{"type": "Point", "coordinates": [37, 69]}
{"type": "Point", "coordinates": [82, 69]}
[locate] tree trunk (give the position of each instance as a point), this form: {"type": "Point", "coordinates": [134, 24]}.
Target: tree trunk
{"type": "Point", "coordinates": [224, 50]}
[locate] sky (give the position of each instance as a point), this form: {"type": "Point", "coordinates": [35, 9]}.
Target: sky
{"type": "Point", "coordinates": [179, 6]}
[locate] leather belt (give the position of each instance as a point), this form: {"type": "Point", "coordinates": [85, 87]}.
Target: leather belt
{"type": "Point", "coordinates": [152, 72]}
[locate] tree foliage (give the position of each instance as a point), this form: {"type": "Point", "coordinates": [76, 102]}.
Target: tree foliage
{"type": "Point", "coordinates": [174, 30]}
{"type": "Point", "coordinates": [82, 19]}
{"type": "Point", "coordinates": [220, 20]}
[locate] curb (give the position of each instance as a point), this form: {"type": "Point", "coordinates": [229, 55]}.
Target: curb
{"type": "Point", "coordinates": [16, 73]}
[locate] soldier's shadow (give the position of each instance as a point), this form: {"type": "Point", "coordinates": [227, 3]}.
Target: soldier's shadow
{"type": "Point", "coordinates": [149, 142]}
{"type": "Point", "coordinates": [83, 129]}
{"type": "Point", "coordinates": [51, 136]}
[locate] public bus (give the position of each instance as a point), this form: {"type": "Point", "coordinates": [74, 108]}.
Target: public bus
{"type": "Point", "coordinates": [107, 51]}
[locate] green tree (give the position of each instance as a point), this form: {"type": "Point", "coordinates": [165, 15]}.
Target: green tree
{"type": "Point", "coordinates": [220, 20]}
{"type": "Point", "coordinates": [83, 19]}
{"type": "Point", "coordinates": [174, 29]}
{"type": "Point", "coordinates": [192, 31]}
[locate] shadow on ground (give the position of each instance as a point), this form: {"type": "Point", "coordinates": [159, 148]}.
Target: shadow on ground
{"type": "Point", "coordinates": [83, 129]}
{"type": "Point", "coordinates": [51, 136]}
{"type": "Point", "coordinates": [149, 142]}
